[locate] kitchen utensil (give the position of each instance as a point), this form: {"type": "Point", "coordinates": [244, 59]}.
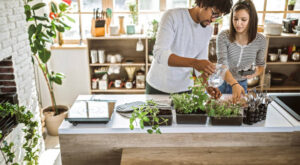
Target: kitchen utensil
{"type": "Point", "coordinates": [273, 57]}
{"type": "Point", "coordinates": [289, 25]}
{"type": "Point", "coordinates": [296, 56]}
{"type": "Point", "coordinates": [277, 78]}
{"type": "Point", "coordinates": [283, 57]}
{"type": "Point", "coordinates": [130, 72]}
{"type": "Point", "coordinates": [273, 29]}
{"type": "Point", "coordinates": [253, 81]}
{"type": "Point", "coordinates": [128, 85]}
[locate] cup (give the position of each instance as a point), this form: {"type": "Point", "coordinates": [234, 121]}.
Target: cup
{"type": "Point", "coordinates": [108, 58]}
{"type": "Point", "coordinates": [114, 30]}
{"type": "Point", "coordinates": [128, 84]}
{"type": "Point", "coordinates": [118, 83]}
{"type": "Point", "coordinates": [94, 58]}
{"type": "Point", "coordinates": [119, 57]}
{"type": "Point", "coordinates": [113, 59]}
{"type": "Point", "coordinates": [283, 57]}
{"type": "Point", "coordinates": [101, 56]}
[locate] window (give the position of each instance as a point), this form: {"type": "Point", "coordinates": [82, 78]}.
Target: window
{"type": "Point", "coordinates": [82, 12]}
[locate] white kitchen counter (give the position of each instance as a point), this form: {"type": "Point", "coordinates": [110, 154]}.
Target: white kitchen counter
{"type": "Point", "coordinates": [276, 121]}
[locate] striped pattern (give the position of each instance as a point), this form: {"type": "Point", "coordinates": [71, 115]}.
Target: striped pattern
{"type": "Point", "coordinates": [240, 57]}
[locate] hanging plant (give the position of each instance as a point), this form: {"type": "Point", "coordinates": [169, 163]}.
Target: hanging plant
{"type": "Point", "coordinates": [31, 137]}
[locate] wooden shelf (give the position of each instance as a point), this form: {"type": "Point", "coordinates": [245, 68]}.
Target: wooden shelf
{"type": "Point", "coordinates": [120, 90]}
{"type": "Point", "coordinates": [122, 64]}
{"type": "Point", "coordinates": [282, 63]}
{"type": "Point", "coordinates": [288, 85]}
{"type": "Point", "coordinates": [136, 36]}
{"type": "Point", "coordinates": [284, 35]}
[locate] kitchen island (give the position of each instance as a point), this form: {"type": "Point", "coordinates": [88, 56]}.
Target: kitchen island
{"type": "Point", "coordinates": [104, 143]}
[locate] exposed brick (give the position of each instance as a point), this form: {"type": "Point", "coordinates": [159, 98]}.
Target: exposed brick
{"type": "Point", "coordinates": [6, 63]}
{"type": "Point", "coordinates": [3, 20]}
{"type": "Point", "coordinates": [8, 89]}
{"type": "Point", "coordinates": [4, 36]}
{"type": "Point", "coordinates": [18, 10]}
{"type": "Point", "coordinates": [3, 28]}
{"type": "Point", "coordinates": [7, 77]}
{"type": "Point", "coordinates": [6, 12]}
{"type": "Point", "coordinates": [15, 18]}
{"type": "Point", "coordinates": [8, 83]}
{"type": "Point", "coordinates": [6, 70]}
{"type": "Point", "coordinates": [23, 37]}
{"type": "Point", "coordinates": [9, 42]}
{"type": "Point", "coordinates": [12, 4]}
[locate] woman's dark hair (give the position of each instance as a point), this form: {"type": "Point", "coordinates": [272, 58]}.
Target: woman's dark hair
{"type": "Point", "coordinates": [223, 5]}
{"type": "Point", "coordinates": [253, 19]}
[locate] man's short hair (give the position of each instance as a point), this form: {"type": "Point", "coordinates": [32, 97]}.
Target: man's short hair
{"type": "Point", "coordinates": [223, 5]}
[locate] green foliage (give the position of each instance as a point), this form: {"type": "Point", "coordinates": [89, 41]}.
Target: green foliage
{"type": "Point", "coordinates": [190, 103]}
{"type": "Point", "coordinates": [133, 12]}
{"type": "Point", "coordinates": [30, 130]}
{"type": "Point", "coordinates": [147, 113]}
{"type": "Point", "coordinates": [217, 108]}
{"type": "Point", "coordinates": [42, 31]}
{"type": "Point", "coordinates": [152, 31]}
{"type": "Point", "coordinates": [292, 2]}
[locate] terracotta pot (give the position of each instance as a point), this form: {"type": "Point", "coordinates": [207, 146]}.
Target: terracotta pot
{"type": "Point", "coordinates": [53, 122]}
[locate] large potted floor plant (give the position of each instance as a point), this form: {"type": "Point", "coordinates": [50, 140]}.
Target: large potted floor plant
{"type": "Point", "coordinates": [42, 30]}
{"type": "Point", "coordinates": [190, 107]}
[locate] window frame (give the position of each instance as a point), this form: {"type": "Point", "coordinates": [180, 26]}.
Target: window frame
{"type": "Point", "coordinates": [162, 7]}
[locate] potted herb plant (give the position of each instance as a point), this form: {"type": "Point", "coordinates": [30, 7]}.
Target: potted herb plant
{"type": "Point", "coordinates": [41, 32]}
{"type": "Point", "coordinates": [190, 108]}
{"type": "Point", "coordinates": [152, 115]}
{"type": "Point", "coordinates": [224, 112]}
{"type": "Point", "coordinates": [31, 137]}
{"type": "Point", "coordinates": [291, 4]}
{"type": "Point", "coordinates": [134, 16]}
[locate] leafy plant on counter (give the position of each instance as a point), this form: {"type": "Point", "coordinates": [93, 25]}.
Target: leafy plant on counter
{"type": "Point", "coordinates": [217, 108]}
{"type": "Point", "coordinates": [186, 103]}
{"type": "Point", "coordinates": [41, 32]}
{"type": "Point", "coordinates": [147, 113]}
{"type": "Point", "coordinates": [152, 31]}
{"type": "Point", "coordinates": [30, 130]}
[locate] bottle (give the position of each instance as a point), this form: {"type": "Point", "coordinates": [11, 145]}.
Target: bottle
{"type": "Point", "coordinates": [140, 78]}
{"type": "Point", "coordinates": [268, 79]}
{"type": "Point", "coordinates": [217, 78]}
{"type": "Point", "coordinates": [139, 45]}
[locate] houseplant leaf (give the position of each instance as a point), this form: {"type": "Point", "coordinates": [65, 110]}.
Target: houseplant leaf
{"type": "Point", "coordinates": [38, 6]}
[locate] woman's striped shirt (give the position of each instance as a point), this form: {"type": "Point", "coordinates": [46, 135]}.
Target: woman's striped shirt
{"type": "Point", "coordinates": [240, 57]}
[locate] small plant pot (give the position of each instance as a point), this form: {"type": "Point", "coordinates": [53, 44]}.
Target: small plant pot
{"type": "Point", "coordinates": [194, 118]}
{"type": "Point", "coordinates": [163, 113]}
{"type": "Point", "coordinates": [234, 120]}
{"type": "Point", "coordinates": [291, 7]}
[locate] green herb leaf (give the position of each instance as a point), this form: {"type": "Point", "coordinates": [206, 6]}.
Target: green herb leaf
{"type": "Point", "coordinates": [38, 6]}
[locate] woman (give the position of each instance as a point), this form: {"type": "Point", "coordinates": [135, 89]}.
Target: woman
{"type": "Point", "coordinates": [239, 48]}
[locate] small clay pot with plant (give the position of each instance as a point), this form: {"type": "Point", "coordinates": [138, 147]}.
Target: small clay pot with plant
{"type": "Point", "coordinates": [152, 115]}
{"type": "Point", "coordinates": [291, 4]}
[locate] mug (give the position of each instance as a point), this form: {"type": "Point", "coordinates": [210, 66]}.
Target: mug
{"type": "Point", "coordinates": [283, 57]}
{"type": "Point", "coordinates": [118, 83]}
{"type": "Point", "coordinates": [94, 57]}
{"type": "Point", "coordinates": [128, 84]}
{"type": "Point", "coordinates": [113, 59]}
{"type": "Point", "coordinates": [119, 57]}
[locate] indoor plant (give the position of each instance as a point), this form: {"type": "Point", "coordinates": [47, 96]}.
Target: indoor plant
{"type": "Point", "coordinates": [31, 137]}
{"type": "Point", "coordinates": [190, 108]}
{"type": "Point", "coordinates": [152, 115]}
{"type": "Point", "coordinates": [134, 16]}
{"type": "Point", "coordinates": [291, 4]}
{"type": "Point", "coordinates": [224, 112]}
{"type": "Point", "coordinates": [41, 32]}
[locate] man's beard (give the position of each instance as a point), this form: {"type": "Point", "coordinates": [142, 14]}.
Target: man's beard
{"type": "Point", "coordinates": [202, 23]}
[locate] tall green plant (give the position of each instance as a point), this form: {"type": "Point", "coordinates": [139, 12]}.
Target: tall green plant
{"type": "Point", "coordinates": [41, 32]}
{"type": "Point", "coordinates": [133, 12]}
{"type": "Point", "coordinates": [31, 137]}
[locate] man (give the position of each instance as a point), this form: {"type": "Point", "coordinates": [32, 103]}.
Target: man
{"type": "Point", "coordinates": [182, 46]}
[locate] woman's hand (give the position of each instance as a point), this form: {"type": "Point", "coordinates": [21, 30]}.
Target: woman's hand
{"type": "Point", "coordinates": [250, 76]}
{"type": "Point", "coordinates": [237, 92]}
{"type": "Point", "coordinates": [214, 92]}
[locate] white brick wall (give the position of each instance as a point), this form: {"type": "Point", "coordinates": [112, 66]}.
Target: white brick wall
{"type": "Point", "coordinates": [14, 42]}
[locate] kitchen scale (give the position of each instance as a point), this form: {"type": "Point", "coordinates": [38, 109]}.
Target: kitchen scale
{"type": "Point", "coordinates": [90, 111]}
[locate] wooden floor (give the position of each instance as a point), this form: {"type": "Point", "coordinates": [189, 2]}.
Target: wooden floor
{"type": "Point", "coordinates": [212, 155]}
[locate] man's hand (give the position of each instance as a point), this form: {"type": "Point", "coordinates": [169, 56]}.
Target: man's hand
{"type": "Point", "coordinates": [237, 92]}
{"type": "Point", "coordinates": [205, 66]}
{"type": "Point", "coordinates": [214, 92]}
